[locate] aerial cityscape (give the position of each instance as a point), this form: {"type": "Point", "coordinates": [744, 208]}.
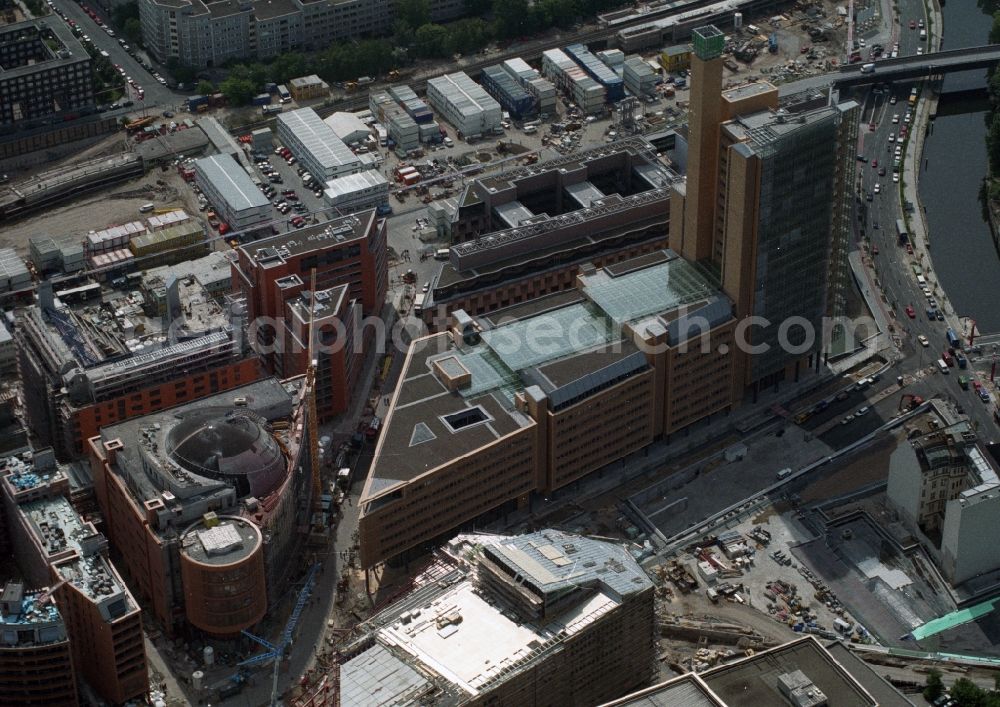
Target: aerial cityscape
{"type": "Point", "coordinates": [499, 352]}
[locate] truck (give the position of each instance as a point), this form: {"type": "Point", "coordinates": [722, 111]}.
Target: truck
{"type": "Point", "coordinates": [383, 135]}
{"type": "Point", "coordinates": [271, 110]}
{"type": "Point", "coordinates": [442, 254]}
{"type": "Point", "coordinates": [383, 209]}
{"type": "Point", "coordinates": [283, 95]}
{"type": "Point", "coordinates": [418, 304]}
{"type": "Point", "coordinates": [772, 43]}
{"type": "Point", "coordinates": [952, 337]}
{"type": "Point", "coordinates": [261, 99]}
{"type": "Point", "coordinates": [868, 68]}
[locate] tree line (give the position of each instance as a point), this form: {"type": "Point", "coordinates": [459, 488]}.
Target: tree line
{"type": "Point", "coordinates": [414, 37]}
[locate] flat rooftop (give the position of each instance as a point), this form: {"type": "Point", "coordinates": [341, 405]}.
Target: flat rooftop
{"type": "Point", "coordinates": [46, 56]}
{"type": "Point", "coordinates": [269, 252]}
{"type": "Point", "coordinates": [682, 691]}
{"type": "Point", "coordinates": [568, 344]}
{"type": "Point", "coordinates": [231, 541]}
{"type": "Point", "coordinates": [318, 139]}
{"type": "Point", "coordinates": [754, 681]}
{"type": "Point", "coordinates": [438, 627]}
{"type": "Point", "coordinates": [232, 182]}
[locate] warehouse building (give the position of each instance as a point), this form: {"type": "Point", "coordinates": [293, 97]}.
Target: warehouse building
{"type": "Point", "coordinates": [464, 104]}
{"type": "Point", "coordinates": [509, 92]}
{"type": "Point", "coordinates": [44, 70]}
{"type": "Point", "coordinates": [496, 415]}
{"type": "Point", "coordinates": [348, 127]}
{"type": "Point", "coordinates": [640, 78]}
{"type": "Point", "coordinates": [542, 89]}
{"type": "Point", "coordinates": [572, 80]}
{"type": "Point", "coordinates": [14, 274]}
{"type": "Point", "coordinates": [411, 103]}
{"type": "Point", "coordinates": [549, 602]}
{"type": "Point", "coordinates": [403, 131]}
{"type": "Point", "coordinates": [228, 188]}
{"type": "Point", "coordinates": [357, 192]}
{"type": "Point", "coordinates": [189, 494]}
{"type": "Point", "coordinates": [316, 145]}
{"type": "Point", "coordinates": [613, 85]}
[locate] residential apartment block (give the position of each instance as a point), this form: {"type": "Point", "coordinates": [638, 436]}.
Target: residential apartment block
{"type": "Point", "coordinates": [491, 412]}
{"type": "Point", "coordinates": [204, 33]}
{"type": "Point", "coordinates": [91, 364]}
{"type": "Point", "coordinates": [946, 491]}
{"type": "Point", "coordinates": [44, 70]}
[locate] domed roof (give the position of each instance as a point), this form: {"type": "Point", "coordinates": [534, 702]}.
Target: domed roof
{"type": "Point", "coordinates": [223, 442]}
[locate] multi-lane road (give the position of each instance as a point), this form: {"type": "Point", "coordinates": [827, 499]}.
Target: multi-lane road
{"type": "Point", "coordinates": [156, 94]}
{"type": "Point", "coordinates": [892, 266]}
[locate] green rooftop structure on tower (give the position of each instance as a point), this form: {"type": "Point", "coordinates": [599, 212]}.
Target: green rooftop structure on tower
{"type": "Point", "coordinates": [709, 42]}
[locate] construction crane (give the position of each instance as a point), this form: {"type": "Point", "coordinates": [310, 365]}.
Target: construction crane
{"type": "Point", "coordinates": [276, 652]}
{"type": "Point", "coordinates": [314, 458]}
{"type": "Point", "coordinates": [48, 593]}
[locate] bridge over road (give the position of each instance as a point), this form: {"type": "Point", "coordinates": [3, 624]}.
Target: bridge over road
{"type": "Point", "coordinates": [918, 66]}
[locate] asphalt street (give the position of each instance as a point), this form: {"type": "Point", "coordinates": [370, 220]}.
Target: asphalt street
{"type": "Point", "coordinates": [892, 266]}
{"type": "Point", "coordinates": [156, 94]}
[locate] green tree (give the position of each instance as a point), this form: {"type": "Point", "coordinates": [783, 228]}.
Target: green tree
{"type": "Point", "coordinates": [468, 35]}
{"type": "Point", "coordinates": [239, 91]}
{"type": "Point", "coordinates": [132, 29]}
{"type": "Point", "coordinates": [933, 687]}
{"type": "Point", "coordinates": [431, 41]}
{"type": "Point", "coordinates": [511, 18]}
{"type": "Point", "coordinates": [288, 66]}
{"type": "Point", "coordinates": [478, 8]}
{"type": "Point", "coordinates": [993, 144]}
{"type": "Point", "coordinates": [183, 74]}
{"type": "Point", "coordinates": [415, 13]}
{"type": "Point", "coordinates": [968, 694]}
{"type": "Point", "coordinates": [205, 88]}
{"type": "Point", "coordinates": [995, 29]}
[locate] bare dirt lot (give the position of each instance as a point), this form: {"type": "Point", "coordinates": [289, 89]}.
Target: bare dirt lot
{"type": "Point", "coordinates": [70, 221]}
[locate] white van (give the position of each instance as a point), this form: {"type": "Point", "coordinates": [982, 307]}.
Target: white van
{"type": "Point", "coordinates": [921, 280]}
{"type": "Point", "coordinates": [530, 129]}
{"type": "Point", "coordinates": [923, 34]}
{"type": "Point", "coordinates": [942, 366]}
{"type": "Point", "coordinates": [442, 254]}
{"type": "Point", "coordinates": [146, 208]}
{"type": "Point", "coordinates": [784, 473]}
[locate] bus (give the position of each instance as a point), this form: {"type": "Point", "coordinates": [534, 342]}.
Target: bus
{"type": "Point", "coordinates": [901, 231]}
{"type": "Point", "coordinates": [952, 338]}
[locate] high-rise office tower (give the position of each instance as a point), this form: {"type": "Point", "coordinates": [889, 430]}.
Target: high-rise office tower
{"type": "Point", "coordinates": [766, 208]}
{"type": "Point", "coordinates": [694, 228]}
